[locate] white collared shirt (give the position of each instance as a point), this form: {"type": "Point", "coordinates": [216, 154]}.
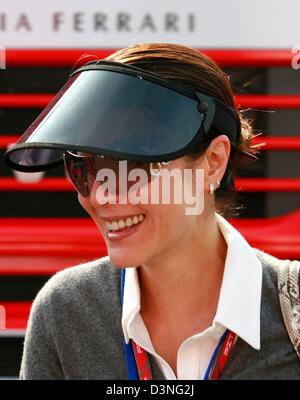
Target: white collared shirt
{"type": "Point", "coordinates": [238, 310]}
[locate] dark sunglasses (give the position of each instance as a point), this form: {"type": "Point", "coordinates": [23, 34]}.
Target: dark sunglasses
{"type": "Point", "coordinates": [82, 169]}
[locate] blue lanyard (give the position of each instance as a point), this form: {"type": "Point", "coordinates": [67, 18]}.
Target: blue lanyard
{"type": "Point", "coordinates": [214, 356]}
{"type": "Point", "coordinates": [129, 352]}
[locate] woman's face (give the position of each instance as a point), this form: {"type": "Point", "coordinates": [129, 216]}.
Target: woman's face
{"type": "Point", "coordinates": [156, 228]}
{"type": "Point", "coordinates": [159, 229]}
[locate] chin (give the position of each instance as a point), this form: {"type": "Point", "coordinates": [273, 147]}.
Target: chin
{"type": "Point", "coordinates": [122, 260]}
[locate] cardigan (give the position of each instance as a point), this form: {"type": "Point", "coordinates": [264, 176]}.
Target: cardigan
{"type": "Point", "coordinates": [74, 330]}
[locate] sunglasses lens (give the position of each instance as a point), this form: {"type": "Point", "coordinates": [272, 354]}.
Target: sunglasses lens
{"type": "Point", "coordinates": [77, 170]}
{"type": "Point", "coordinates": [83, 170]}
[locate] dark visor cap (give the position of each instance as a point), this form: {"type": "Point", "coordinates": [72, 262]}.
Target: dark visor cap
{"type": "Point", "coordinates": [122, 111]}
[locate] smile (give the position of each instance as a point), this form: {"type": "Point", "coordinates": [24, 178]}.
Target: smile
{"type": "Point", "coordinates": [121, 224]}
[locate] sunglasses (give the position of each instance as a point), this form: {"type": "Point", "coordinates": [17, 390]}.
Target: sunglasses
{"type": "Point", "coordinates": [82, 169]}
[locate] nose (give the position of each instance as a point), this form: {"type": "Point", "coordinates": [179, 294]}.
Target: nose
{"type": "Point", "coordinates": [99, 194]}
{"type": "Point", "coordinates": [107, 192]}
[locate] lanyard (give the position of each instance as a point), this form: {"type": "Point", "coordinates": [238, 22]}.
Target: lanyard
{"type": "Point", "coordinates": [137, 359]}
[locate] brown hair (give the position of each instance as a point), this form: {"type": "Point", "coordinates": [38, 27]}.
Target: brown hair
{"type": "Point", "coordinates": [191, 67]}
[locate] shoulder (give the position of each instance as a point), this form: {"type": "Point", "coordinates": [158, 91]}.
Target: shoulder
{"type": "Point", "coordinates": [98, 274]}
{"type": "Point", "coordinates": [92, 273]}
{"type": "Point", "coordinates": [75, 308]}
{"type": "Point", "coordinates": [274, 269]}
{"type": "Point", "coordinates": [96, 281]}
{"type": "Point", "coordinates": [272, 264]}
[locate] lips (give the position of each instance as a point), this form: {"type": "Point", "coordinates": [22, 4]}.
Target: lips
{"type": "Point", "coordinates": [123, 233]}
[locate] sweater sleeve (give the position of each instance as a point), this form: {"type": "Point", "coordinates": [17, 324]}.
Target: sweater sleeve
{"type": "Point", "coordinates": [40, 359]}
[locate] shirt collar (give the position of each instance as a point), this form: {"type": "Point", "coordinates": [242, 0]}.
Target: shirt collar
{"type": "Point", "coordinates": [131, 300]}
{"type": "Point", "coordinates": [240, 295]}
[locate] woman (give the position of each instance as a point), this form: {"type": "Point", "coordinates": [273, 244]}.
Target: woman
{"type": "Point", "coordinates": [184, 292]}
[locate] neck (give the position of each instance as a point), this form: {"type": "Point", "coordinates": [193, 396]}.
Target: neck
{"type": "Point", "coordinates": [188, 280]}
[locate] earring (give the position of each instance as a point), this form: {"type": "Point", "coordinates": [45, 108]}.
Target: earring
{"type": "Point", "coordinates": [212, 187]}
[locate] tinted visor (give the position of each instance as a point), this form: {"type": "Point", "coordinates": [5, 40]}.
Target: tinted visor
{"type": "Point", "coordinates": [114, 111]}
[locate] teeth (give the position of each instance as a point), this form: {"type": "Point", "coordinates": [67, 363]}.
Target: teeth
{"type": "Point", "coordinates": [116, 225]}
{"type": "Point", "coordinates": [129, 222]}
{"type": "Point", "coordinates": [121, 224]}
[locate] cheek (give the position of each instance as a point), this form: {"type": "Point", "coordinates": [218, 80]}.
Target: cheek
{"type": "Point", "coordinates": [85, 204]}
{"type": "Point", "coordinates": [170, 221]}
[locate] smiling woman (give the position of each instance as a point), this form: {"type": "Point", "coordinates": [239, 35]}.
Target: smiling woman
{"type": "Point", "coordinates": [178, 296]}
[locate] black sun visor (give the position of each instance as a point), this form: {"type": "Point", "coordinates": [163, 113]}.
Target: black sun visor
{"type": "Point", "coordinates": [119, 110]}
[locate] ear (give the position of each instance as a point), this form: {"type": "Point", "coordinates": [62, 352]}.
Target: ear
{"type": "Point", "coordinates": [217, 156]}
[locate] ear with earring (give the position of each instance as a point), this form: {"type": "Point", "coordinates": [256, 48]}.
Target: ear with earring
{"type": "Point", "coordinates": [213, 187]}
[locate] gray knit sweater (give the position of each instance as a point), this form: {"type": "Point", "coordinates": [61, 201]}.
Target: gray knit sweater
{"type": "Point", "coordinates": [75, 331]}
